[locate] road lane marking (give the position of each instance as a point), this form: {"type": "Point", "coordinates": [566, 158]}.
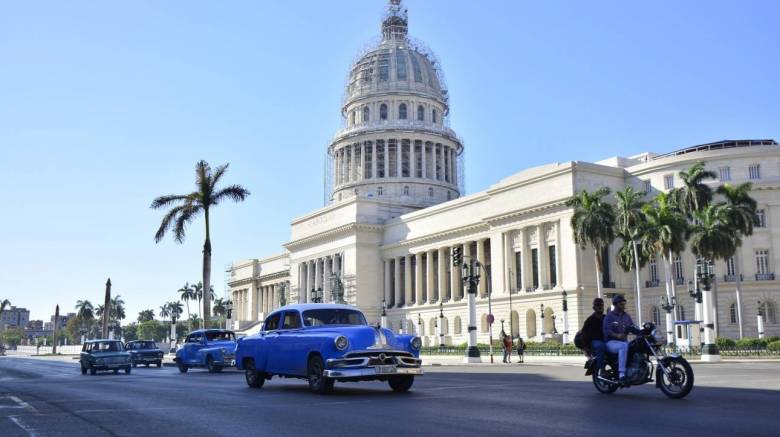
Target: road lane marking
{"type": "Point", "coordinates": [20, 404]}
{"type": "Point", "coordinates": [28, 429]}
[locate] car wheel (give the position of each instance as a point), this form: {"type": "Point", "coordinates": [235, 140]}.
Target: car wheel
{"type": "Point", "coordinates": [116, 371]}
{"type": "Point", "coordinates": [182, 367]}
{"type": "Point", "coordinates": [127, 370]}
{"type": "Point", "coordinates": [254, 378]}
{"type": "Point", "coordinates": [83, 370]}
{"type": "Point", "coordinates": [135, 364]}
{"type": "Point", "coordinates": [318, 383]}
{"type": "Point", "coordinates": [159, 364]}
{"type": "Point", "coordinates": [92, 371]}
{"type": "Point", "coordinates": [213, 368]}
{"type": "Point", "coordinates": [401, 383]}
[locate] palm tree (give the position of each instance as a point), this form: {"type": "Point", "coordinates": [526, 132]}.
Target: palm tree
{"type": "Point", "coordinates": [741, 211]}
{"type": "Point", "coordinates": [220, 309]}
{"type": "Point", "coordinates": [176, 308]}
{"type": "Point", "coordinates": [186, 293]}
{"type": "Point", "coordinates": [145, 316]}
{"type": "Point", "coordinates": [85, 310]}
{"type": "Point", "coordinates": [593, 223]}
{"type": "Point", "coordinates": [630, 218]}
{"type": "Point", "coordinates": [189, 206]}
{"type": "Point", "coordinates": [117, 308]}
{"type": "Point", "coordinates": [694, 195]}
{"type": "Point", "coordinates": [3, 305]}
{"type": "Point", "coordinates": [195, 320]}
{"type": "Point", "coordinates": [165, 311]}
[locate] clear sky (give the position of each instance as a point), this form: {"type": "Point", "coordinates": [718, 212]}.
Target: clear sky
{"type": "Point", "coordinates": [106, 105]}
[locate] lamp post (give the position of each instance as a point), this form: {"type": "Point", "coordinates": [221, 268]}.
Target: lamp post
{"type": "Point", "coordinates": [565, 317]}
{"type": "Point", "coordinates": [705, 275]}
{"type": "Point", "coordinates": [541, 310]}
{"type": "Point", "coordinates": [502, 326]}
{"type": "Point", "coordinates": [511, 322]}
{"type": "Point", "coordinates": [668, 306]}
{"type": "Point", "coordinates": [470, 277]}
{"type": "Point", "coordinates": [316, 295]}
{"type": "Point", "coordinates": [419, 324]}
{"type": "Point", "coordinates": [695, 293]}
{"type": "Point", "coordinates": [760, 320]}
{"type": "Point", "coordinates": [173, 329]}
{"type": "Point", "coordinates": [401, 326]}
{"type": "Point", "coordinates": [383, 320]}
{"type": "Point", "coordinates": [441, 325]}
{"type": "Point", "coordinates": [283, 294]}
{"type": "Point", "coordinates": [228, 313]}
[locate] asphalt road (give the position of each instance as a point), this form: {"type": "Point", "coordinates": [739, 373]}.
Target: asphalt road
{"type": "Point", "coordinates": [41, 397]}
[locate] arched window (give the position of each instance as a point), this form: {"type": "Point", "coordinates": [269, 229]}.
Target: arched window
{"type": "Point", "coordinates": [430, 192]}
{"type": "Point", "coordinates": [420, 113]}
{"type": "Point", "coordinates": [457, 327]}
{"type": "Point", "coordinates": [378, 191]}
{"type": "Point", "coordinates": [366, 113]}
{"type": "Point", "coordinates": [432, 326]}
{"type": "Point", "coordinates": [383, 112]}
{"type": "Point", "coordinates": [484, 324]}
{"type": "Point", "coordinates": [549, 321]}
{"type": "Point", "coordinates": [530, 324]}
{"type": "Point", "coordinates": [406, 190]}
{"type": "Point", "coordinates": [433, 116]}
{"type": "Point", "coordinates": [733, 313]}
{"type": "Point", "coordinates": [353, 117]}
{"type": "Point", "coordinates": [656, 316]}
{"type": "Point", "coordinates": [445, 325]}
{"type": "Point", "coordinates": [402, 111]}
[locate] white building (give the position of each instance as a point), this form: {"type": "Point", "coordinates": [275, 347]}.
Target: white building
{"type": "Point", "coordinates": [397, 210]}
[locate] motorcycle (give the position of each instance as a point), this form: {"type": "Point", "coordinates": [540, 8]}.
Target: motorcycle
{"type": "Point", "coordinates": [673, 374]}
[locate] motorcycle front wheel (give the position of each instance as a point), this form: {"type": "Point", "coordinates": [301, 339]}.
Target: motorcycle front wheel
{"type": "Point", "coordinates": [678, 382]}
{"type": "Point", "coordinates": [604, 386]}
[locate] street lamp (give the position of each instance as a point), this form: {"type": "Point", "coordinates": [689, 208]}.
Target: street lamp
{"type": "Point", "coordinates": [668, 306]}
{"type": "Point", "coordinates": [470, 278]}
{"type": "Point", "coordinates": [283, 294]}
{"type": "Point", "coordinates": [383, 320]}
{"type": "Point", "coordinates": [316, 295]}
{"type": "Point", "coordinates": [704, 276]}
{"type": "Point", "coordinates": [419, 324]}
{"type": "Point", "coordinates": [565, 317]}
{"type": "Point", "coordinates": [441, 325]}
{"type": "Point", "coordinates": [760, 320]}
{"type": "Point", "coordinates": [228, 313]}
{"type": "Point", "coordinates": [541, 310]}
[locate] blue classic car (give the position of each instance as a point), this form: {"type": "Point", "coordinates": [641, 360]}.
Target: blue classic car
{"type": "Point", "coordinates": [104, 355]}
{"type": "Point", "coordinates": [213, 349]}
{"type": "Point", "coordinates": [324, 343]}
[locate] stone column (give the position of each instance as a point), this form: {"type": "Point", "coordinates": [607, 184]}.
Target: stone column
{"type": "Point", "coordinates": [253, 301]}
{"type": "Point", "coordinates": [544, 279]}
{"type": "Point", "coordinates": [398, 157]}
{"type": "Point", "coordinates": [388, 284]}
{"type": "Point", "coordinates": [457, 286]}
{"type": "Point", "coordinates": [328, 268]}
{"type": "Point", "coordinates": [430, 276]}
{"type": "Point", "coordinates": [397, 284]}
{"type": "Point", "coordinates": [373, 159]}
{"type": "Point", "coordinates": [524, 261]}
{"type": "Point", "coordinates": [497, 264]}
{"type": "Point", "coordinates": [408, 292]}
{"type": "Point", "coordinates": [336, 168]}
{"type": "Point", "coordinates": [317, 274]}
{"type": "Point", "coordinates": [310, 282]}
{"type": "Point", "coordinates": [418, 276]}
{"type": "Point", "coordinates": [362, 163]}
{"type": "Point", "coordinates": [424, 162]}
{"type": "Point", "coordinates": [482, 277]}
{"type": "Point", "coordinates": [443, 292]}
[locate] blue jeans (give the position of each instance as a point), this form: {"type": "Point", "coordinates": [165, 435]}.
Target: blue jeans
{"type": "Point", "coordinates": [599, 348]}
{"type": "Point", "coordinates": [621, 349]}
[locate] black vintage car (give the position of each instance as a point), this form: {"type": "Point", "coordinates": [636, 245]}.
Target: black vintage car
{"type": "Point", "coordinates": [104, 355]}
{"type": "Point", "coordinates": [144, 352]}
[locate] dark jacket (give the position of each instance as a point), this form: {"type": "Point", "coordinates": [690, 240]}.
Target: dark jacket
{"type": "Point", "coordinates": [592, 329]}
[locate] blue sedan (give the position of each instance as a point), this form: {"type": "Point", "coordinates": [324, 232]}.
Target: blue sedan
{"type": "Point", "coordinates": [325, 343]}
{"type": "Point", "coordinates": [213, 349]}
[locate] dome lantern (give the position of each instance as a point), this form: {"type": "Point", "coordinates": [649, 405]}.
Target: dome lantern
{"type": "Point", "coordinates": [395, 25]}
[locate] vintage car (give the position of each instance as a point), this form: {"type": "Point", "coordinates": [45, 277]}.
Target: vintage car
{"type": "Point", "coordinates": [213, 349]}
{"type": "Point", "coordinates": [144, 352]}
{"type": "Point", "coordinates": [324, 343]}
{"type": "Point", "coordinates": [104, 355]}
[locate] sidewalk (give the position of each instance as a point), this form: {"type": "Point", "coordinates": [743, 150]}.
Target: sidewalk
{"type": "Point", "coordinates": [457, 360]}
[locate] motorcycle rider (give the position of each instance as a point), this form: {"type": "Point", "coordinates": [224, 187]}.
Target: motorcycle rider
{"type": "Point", "coordinates": [593, 332]}
{"type": "Point", "coordinates": [617, 324]}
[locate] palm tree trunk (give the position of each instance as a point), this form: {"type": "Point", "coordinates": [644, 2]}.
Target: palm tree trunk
{"type": "Point", "coordinates": [739, 296]}
{"type": "Point", "coordinates": [638, 290]}
{"type": "Point", "coordinates": [206, 272]}
{"type": "Point", "coordinates": [187, 301]}
{"type": "Point", "coordinates": [598, 272]}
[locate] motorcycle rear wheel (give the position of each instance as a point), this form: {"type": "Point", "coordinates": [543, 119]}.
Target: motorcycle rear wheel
{"type": "Point", "coordinates": [603, 386]}
{"type": "Point", "coordinates": [679, 382]}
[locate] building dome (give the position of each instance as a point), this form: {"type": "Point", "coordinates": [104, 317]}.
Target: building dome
{"type": "Point", "coordinates": [396, 144]}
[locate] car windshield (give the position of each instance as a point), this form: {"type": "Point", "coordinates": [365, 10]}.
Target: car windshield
{"type": "Point", "coordinates": [220, 336]}
{"type": "Point", "coordinates": [333, 316]}
{"type": "Point", "coordinates": [106, 346]}
{"type": "Point", "coordinates": [145, 345]}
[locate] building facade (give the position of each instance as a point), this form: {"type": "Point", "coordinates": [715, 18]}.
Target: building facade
{"type": "Point", "coordinates": [397, 210]}
{"type": "Point", "coordinates": [14, 317]}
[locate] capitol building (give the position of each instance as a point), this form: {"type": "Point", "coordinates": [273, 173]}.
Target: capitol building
{"type": "Point", "coordinates": [397, 209]}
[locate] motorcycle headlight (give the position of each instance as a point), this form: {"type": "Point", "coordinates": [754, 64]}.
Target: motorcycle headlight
{"type": "Point", "coordinates": [341, 342]}
{"type": "Point", "coordinates": [415, 343]}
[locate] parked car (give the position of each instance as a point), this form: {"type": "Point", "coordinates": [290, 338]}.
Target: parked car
{"type": "Point", "coordinates": [213, 349]}
{"type": "Point", "coordinates": [104, 355]}
{"type": "Point", "coordinates": [144, 352]}
{"type": "Point", "coordinates": [325, 343]}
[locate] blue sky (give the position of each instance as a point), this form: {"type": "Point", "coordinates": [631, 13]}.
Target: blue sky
{"type": "Point", "coordinates": [105, 105]}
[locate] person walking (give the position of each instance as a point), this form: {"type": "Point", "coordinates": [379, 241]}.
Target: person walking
{"type": "Point", "coordinates": [506, 343]}
{"type": "Point", "coordinates": [520, 348]}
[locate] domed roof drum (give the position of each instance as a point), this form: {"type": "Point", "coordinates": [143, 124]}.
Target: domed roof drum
{"type": "Point", "coordinates": [396, 65]}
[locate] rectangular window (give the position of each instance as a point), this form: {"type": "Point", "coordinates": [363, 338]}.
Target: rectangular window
{"type": "Point", "coordinates": [429, 164]}
{"type": "Point", "coordinates": [356, 164]}
{"type": "Point", "coordinates": [380, 159]}
{"type": "Point", "coordinates": [418, 158]}
{"type": "Point", "coordinates": [730, 270]}
{"type": "Point", "coordinates": [518, 270]}
{"type": "Point", "coordinates": [535, 267]}
{"type": "Point", "coordinates": [438, 162]}
{"type": "Point", "coordinates": [400, 63]}
{"type": "Point", "coordinates": [760, 218]}
{"type": "Point", "coordinates": [405, 163]}
{"type": "Point", "coordinates": [368, 161]}
{"type": "Point", "coordinates": [648, 187]}
{"type": "Point", "coordinates": [553, 267]}
{"type": "Point", "coordinates": [678, 268]}
{"type": "Point", "coordinates": [446, 164]}
{"type": "Point", "coordinates": [725, 174]}
{"type": "Point", "coordinates": [669, 181]}
{"type": "Point", "coordinates": [606, 278]}
{"type": "Point", "coordinates": [392, 158]}
{"type": "Point", "coordinates": [348, 167]}
{"type": "Point", "coordinates": [416, 69]}
{"type": "Point", "coordinates": [754, 171]}
{"type": "Point", "coordinates": [653, 270]}
{"type": "Point", "coordinates": [762, 262]}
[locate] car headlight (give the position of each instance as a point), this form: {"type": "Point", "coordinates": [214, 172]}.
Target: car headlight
{"type": "Point", "coordinates": [98, 360]}
{"type": "Point", "coordinates": [415, 343]}
{"type": "Point", "coordinates": [341, 342]}
{"type": "Point", "coordinates": [224, 351]}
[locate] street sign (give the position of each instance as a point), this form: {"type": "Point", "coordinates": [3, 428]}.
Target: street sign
{"type": "Point", "coordinates": [490, 319]}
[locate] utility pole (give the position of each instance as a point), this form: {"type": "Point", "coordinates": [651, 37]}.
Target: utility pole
{"type": "Point", "coordinates": [107, 309]}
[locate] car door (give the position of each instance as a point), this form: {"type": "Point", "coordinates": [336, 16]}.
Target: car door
{"type": "Point", "coordinates": [271, 335]}
{"type": "Point", "coordinates": [290, 346]}
{"type": "Point", "coordinates": [192, 348]}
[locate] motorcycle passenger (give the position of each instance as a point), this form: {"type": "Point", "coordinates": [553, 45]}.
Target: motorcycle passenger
{"type": "Point", "coordinates": [616, 325]}
{"type": "Point", "coordinates": [593, 332]}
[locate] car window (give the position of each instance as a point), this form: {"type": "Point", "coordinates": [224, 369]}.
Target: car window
{"type": "Point", "coordinates": [220, 336]}
{"type": "Point", "coordinates": [272, 322]}
{"type": "Point", "coordinates": [333, 316]}
{"type": "Point", "coordinates": [193, 338]}
{"type": "Point", "coordinates": [291, 320]}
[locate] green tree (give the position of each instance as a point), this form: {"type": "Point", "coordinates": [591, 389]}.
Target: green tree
{"type": "Point", "coordinates": [220, 309]}
{"type": "Point", "coordinates": [12, 337]}
{"type": "Point", "coordinates": [694, 195]}
{"type": "Point", "coordinates": [630, 219]}
{"type": "Point", "coordinates": [130, 332]}
{"type": "Point", "coordinates": [4, 303]}
{"type": "Point", "coordinates": [186, 293]}
{"type": "Point", "coordinates": [151, 330]}
{"type": "Point", "coordinates": [145, 316]}
{"type": "Point", "coordinates": [73, 330]}
{"type": "Point", "coordinates": [593, 223]}
{"type": "Point", "coordinates": [189, 206]}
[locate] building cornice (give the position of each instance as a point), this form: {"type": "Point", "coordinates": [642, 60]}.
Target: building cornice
{"type": "Point", "coordinates": [438, 236]}
{"type": "Point", "coordinates": [329, 234]}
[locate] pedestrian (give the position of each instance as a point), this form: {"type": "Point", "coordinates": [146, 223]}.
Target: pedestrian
{"type": "Point", "coordinates": [506, 343]}
{"type": "Point", "coordinates": [520, 348]}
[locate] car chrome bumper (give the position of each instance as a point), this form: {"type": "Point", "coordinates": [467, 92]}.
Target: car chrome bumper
{"type": "Point", "coordinates": [372, 371]}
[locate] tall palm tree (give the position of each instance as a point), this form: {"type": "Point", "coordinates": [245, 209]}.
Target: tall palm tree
{"type": "Point", "coordinates": [593, 224]}
{"type": "Point", "coordinates": [220, 309]}
{"type": "Point", "coordinates": [145, 316]}
{"type": "Point", "coordinates": [195, 320]}
{"type": "Point", "coordinates": [741, 211]}
{"type": "Point", "coordinates": [197, 292]}
{"type": "Point", "coordinates": [630, 218]}
{"type": "Point", "coordinates": [176, 308]}
{"type": "Point", "coordinates": [165, 311]}
{"type": "Point", "coordinates": [694, 195]}
{"type": "Point", "coordinates": [85, 310]}
{"type": "Point", "coordinates": [117, 308]}
{"type": "Point", "coordinates": [3, 305]}
{"type": "Point", "coordinates": [186, 293]}
{"type": "Point", "coordinates": [189, 206]}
